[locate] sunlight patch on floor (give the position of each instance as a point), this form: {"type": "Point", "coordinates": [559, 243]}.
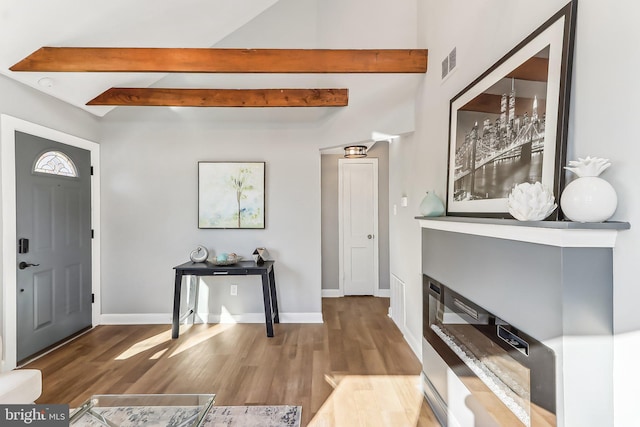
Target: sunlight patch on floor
{"type": "Point", "coordinates": [165, 337]}
{"type": "Point", "coordinates": [198, 337]}
{"type": "Point", "coordinates": [144, 345]}
{"type": "Point", "coordinates": [159, 354]}
{"type": "Point", "coordinates": [371, 400]}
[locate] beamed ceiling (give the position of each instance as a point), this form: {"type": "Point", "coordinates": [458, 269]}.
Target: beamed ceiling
{"type": "Point", "coordinates": [95, 57]}
{"type": "Point", "coordinates": [193, 60]}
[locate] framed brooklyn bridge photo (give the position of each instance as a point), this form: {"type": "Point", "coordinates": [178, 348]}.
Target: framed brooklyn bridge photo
{"type": "Point", "coordinates": [510, 125]}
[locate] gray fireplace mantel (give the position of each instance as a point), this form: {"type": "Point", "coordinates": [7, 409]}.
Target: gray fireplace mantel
{"type": "Point", "coordinates": [553, 280]}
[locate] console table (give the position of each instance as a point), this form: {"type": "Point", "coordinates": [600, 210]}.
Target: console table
{"type": "Point", "coordinates": [241, 268]}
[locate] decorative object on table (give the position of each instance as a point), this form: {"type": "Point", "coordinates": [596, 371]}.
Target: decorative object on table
{"type": "Point", "coordinates": [588, 198]}
{"type": "Point", "coordinates": [510, 125]}
{"type": "Point", "coordinates": [531, 202]}
{"type": "Point", "coordinates": [260, 255]}
{"type": "Point", "coordinates": [431, 205]}
{"type": "Point", "coordinates": [226, 259]}
{"type": "Point", "coordinates": [231, 194]}
{"type": "Point", "coordinates": [199, 254]}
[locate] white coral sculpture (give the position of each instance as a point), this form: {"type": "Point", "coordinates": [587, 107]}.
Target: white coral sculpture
{"type": "Point", "coordinates": [591, 166]}
{"type": "Point", "coordinates": [531, 202]}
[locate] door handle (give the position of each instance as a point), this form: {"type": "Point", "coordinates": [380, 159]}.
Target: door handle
{"type": "Point", "coordinates": [24, 265]}
{"type": "Point", "coordinates": [370, 236]}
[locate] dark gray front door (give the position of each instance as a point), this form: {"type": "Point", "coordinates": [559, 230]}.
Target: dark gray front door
{"type": "Point", "coordinates": [54, 233]}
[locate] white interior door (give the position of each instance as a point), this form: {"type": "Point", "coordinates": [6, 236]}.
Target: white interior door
{"type": "Point", "coordinates": [358, 206]}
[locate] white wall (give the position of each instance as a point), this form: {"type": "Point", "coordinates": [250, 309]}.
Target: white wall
{"type": "Point", "coordinates": [383, 103]}
{"type": "Point", "coordinates": [149, 199]}
{"type": "Point", "coordinates": [406, 179]}
{"type": "Point", "coordinates": [602, 123]}
{"type": "Point", "coordinates": [21, 101]}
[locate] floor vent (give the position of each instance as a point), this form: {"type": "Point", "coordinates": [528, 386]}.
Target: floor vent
{"type": "Point", "coordinates": [397, 302]}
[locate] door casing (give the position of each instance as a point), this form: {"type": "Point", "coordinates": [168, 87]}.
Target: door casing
{"type": "Point", "coordinates": [8, 126]}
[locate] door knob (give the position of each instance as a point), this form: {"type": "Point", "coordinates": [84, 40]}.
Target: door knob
{"type": "Point", "coordinates": [370, 236]}
{"type": "Point", "coordinates": [24, 265]}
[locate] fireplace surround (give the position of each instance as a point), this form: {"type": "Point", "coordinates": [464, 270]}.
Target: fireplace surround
{"type": "Point", "coordinates": [552, 280]}
{"type": "Point", "coordinates": [503, 365]}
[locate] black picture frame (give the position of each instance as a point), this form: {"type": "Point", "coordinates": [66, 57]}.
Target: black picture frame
{"type": "Point", "coordinates": [510, 125]}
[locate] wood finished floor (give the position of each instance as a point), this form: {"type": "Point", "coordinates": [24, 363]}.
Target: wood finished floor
{"type": "Point", "coordinates": [355, 369]}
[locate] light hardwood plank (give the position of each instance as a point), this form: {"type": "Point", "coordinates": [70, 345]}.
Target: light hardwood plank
{"type": "Point", "coordinates": [358, 350]}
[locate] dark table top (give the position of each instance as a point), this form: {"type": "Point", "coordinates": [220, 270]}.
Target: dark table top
{"type": "Point", "coordinates": [207, 266]}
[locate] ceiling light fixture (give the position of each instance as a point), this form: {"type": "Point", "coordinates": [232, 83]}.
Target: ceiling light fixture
{"type": "Point", "coordinates": [355, 151]}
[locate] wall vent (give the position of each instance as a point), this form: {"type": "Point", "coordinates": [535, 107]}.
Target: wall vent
{"type": "Point", "coordinates": [398, 302]}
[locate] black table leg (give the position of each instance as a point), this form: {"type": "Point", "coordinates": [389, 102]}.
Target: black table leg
{"type": "Point", "coordinates": [266, 294]}
{"type": "Point", "coordinates": [274, 297]}
{"type": "Point", "coordinates": [175, 329]}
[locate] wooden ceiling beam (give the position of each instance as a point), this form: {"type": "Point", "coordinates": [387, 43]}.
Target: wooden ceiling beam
{"type": "Point", "coordinates": [195, 60]}
{"type": "Point", "coordinates": [223, 97]}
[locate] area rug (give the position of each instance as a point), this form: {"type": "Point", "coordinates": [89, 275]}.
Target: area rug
{"type": "Point", "coordinates": [253, 416]}
{"type": "Point", "coordinates": [218, 416]}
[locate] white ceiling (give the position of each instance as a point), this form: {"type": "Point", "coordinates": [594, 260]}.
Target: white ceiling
{"type": "Point", "coordinates": [27, 25]}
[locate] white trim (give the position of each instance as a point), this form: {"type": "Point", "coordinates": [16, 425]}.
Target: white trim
{"type": "Point", "coordinates": [332, 293]}
{"type": "Point", "coordinates": [300, 318]}
{"type": "Point", "coordinates": [414, 343]}
{"type": "Point", "coordinates": [136, 319]}
{"type": "Point", "coordinates": [337, 293]}
{"type": "Point", "coordinates": [165, 318]}
{"type": "Point", "coordinates": [383, 293]}
{"type": "Point", "coordinates": [8, 126]}
{"type": "Point", "coordinates": [565, 238]}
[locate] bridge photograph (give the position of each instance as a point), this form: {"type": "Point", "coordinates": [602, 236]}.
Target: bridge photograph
{"type": "Point", "coordinates": [500, 135]}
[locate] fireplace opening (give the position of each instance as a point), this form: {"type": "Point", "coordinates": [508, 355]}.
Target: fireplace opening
{"type": "Point", "coordinates": [501, 365]}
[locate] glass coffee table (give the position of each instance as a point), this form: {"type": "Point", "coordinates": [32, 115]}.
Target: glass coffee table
{"type": "Point", "coordinates": [149, 410]}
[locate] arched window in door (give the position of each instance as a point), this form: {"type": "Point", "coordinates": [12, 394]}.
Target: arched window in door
{"type": "Point", "coordinates": [56, 163]}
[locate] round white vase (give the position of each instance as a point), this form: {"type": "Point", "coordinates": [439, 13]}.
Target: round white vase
{"type": "Point", "coordinates": [589, 199]}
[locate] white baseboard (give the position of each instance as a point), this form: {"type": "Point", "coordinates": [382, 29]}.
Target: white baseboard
{"type": "Point", "coordinates": [166, 319]}
{"type": "Point", "coordinates": [332, 293]}
{"type": "Point", "coordinates": [259, 318]}
{"type": "Point", "coordinates": [384, 293]}
{"type": "Point", "coordinates": [337, 293]}
{"type": "Point", "coordinates": [415, 344]}
{"type": "Point", "coordinates": [301, 318]}
{"type": "Point", "coordinates": [136, 319]}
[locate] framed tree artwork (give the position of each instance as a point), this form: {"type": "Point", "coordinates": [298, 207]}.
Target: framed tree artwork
{"type": "Point", "coordinates": [510, 125]}
{"type": "Point", "coordinates": [231, 195]}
